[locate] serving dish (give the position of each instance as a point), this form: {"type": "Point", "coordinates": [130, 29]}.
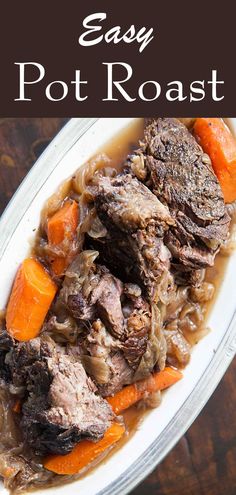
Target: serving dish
{"type": "Point", "coordinates": [162, 427]}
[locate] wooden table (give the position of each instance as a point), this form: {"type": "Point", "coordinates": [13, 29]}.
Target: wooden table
{"type": "Point", "coordinates": [204, 460]}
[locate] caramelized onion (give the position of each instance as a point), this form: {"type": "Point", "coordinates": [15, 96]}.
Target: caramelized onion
{"type": "Point", "coordinates": [86, 173]}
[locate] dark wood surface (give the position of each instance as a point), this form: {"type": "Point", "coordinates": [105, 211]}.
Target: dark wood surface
{"type": "Point", "coordinates": [204, 460]}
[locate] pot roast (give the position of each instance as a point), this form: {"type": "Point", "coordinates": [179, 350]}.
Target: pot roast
{"type": "Point", "coordinates": [132, 301]}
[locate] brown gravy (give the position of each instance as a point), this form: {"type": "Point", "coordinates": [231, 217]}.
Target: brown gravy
{"type": "Point", "coordinates": [124, 143]}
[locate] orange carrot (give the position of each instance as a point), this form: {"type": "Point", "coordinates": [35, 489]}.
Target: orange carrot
{"type": "Point", "coordinates": [131, 394]}
{"type": "Point", "coordinates": [30, 299]}
{"type": "Point", "coordinates": [62, 226]}
{"type": "Point", "coordinates": [17, 406]}
{"type": "Point", "coordinates": [218, 142]}
{"type": "Point", "coordinates": [83, 453]}
{"type": "Point", "coordinates": [59, 266]}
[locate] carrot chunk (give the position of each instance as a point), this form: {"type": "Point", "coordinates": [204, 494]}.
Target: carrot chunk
{"type": "Point", "coordinates": [62, 227]}
{"type": "Point", "coordinates": [59, 266]}
{"type": "Point", "coordinates": [217, 141]}
{"type": "Point", "coordinates": [83, 453]}
{"type": "Point", "coordinates": [30, 299]}
{"type": "Point", "coordinates": [131, 394]}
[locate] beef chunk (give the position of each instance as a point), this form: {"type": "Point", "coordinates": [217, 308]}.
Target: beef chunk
{"type": "Point", "coordinates": [119, 336]}
{"type": "Point", "coordinates": [136, 343]}
{"type": "Point", "coordinates": [108, 302]}
{"type": "Point", "coordinates": [104, 360]}
{"type": "Point", "coordinates": [174, 167]}
{"type": "Point", "coordinates": [120, 307]}
{"type": "Point", "coordinates": [113, 363]}
{"type": "Point", "coordinates": [61, 405]}
{"type": "Point", "coordinates": [98, 294]}
{"type": "Point", "coordinates": [136, 222]}
{"type": "Point", "coordinates": [125, 203]}
{"type": "Point", "coordinates": [121, 374]}
{"type": "Point", "coordinates": [6, 344]}
{"type": "Point", "coordinates": [138, 320]}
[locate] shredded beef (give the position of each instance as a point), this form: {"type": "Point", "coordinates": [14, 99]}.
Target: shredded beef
{"type": "Point", "coordinates": [119, 336]}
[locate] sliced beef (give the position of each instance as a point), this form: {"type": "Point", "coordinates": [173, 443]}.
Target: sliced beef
{"type": "Point", "coordinates": [136, 222]}
{"type": "Point", "coordinates": [174, 167]}
{"type": "Point", "coordinates": [61, 403]}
